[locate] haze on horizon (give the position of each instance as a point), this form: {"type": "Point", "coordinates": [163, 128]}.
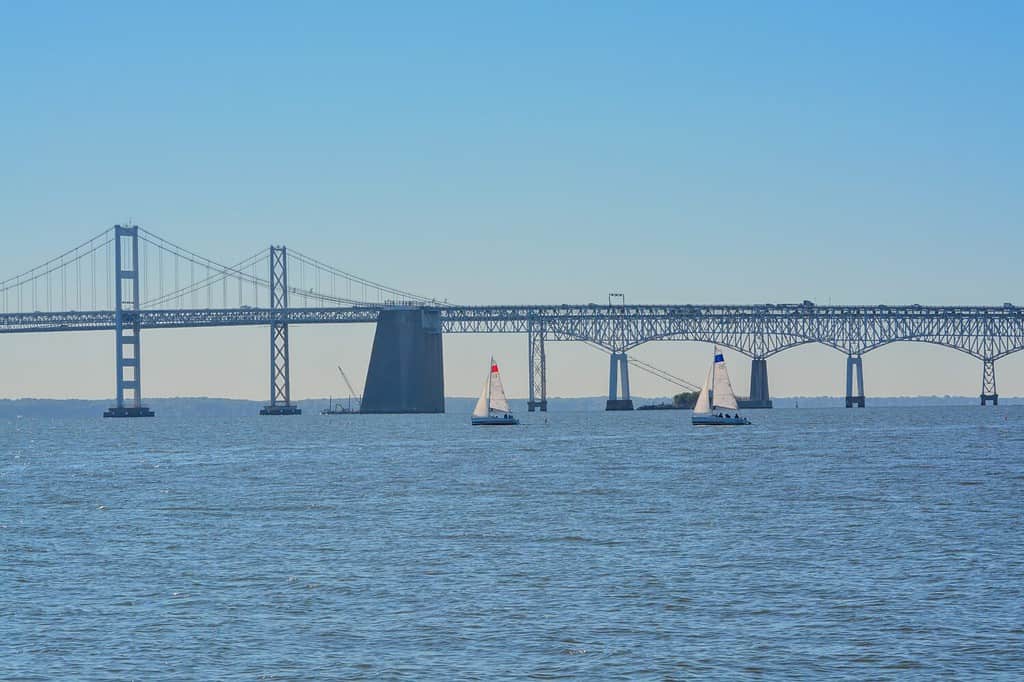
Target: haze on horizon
{"type": "Point", "coordinates": [737, 153]}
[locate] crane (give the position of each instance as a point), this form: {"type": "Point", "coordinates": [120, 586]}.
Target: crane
{"type": "Point", "coordinates": [337, 409]}
{"type": "Point", "coordinates": [351, 391]}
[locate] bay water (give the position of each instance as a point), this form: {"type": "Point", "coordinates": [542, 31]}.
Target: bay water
{"type": "Point", "coordinates": [877, 543]}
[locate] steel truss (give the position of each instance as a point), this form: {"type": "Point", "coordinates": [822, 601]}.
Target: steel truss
{"type": "Point", "coordinates": [758, 331]}
{"type": "Point", "coordinates": [127, 346]}
{"type": "Point", "coordinates": [538, 370]}
{"type": "Point", "coordinates": [987, 333]}
{"type": "Point", "coordinates": [280, 381]}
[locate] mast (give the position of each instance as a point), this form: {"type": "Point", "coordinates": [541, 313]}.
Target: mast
{"type": "Point", "coordinates": [489, 383]}
{"type": "Point", "coordinates": [723, 395]}
{"type": "Point", "coordinates": [497, 400]}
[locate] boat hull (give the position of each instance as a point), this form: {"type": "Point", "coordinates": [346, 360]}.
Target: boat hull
{"type": "Point", "coordinates": [715, 420]}
{"type": "Point", "coordinates": [494, 421]}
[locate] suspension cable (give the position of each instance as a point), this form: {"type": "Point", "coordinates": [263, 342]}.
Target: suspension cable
{"type": "Point", "coordinates": [320, 266]}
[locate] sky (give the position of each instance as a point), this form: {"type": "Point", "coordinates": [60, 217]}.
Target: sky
{"type": "Point", "coordinates": [530, 153]}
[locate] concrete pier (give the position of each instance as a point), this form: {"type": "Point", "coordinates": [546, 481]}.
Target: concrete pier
{"type": "Point", "coordinates": [120, 412]}
{"type": "Point", "coordinates": [759, 396]}
{"type": "Point", "coordinates": [406, 372]}
{"type": "Point", "coordinates": [854, 365]}
{"type": "Point", "coordinates": [618, 368]}
{"type": "Point", "coordinates": [279, 410]}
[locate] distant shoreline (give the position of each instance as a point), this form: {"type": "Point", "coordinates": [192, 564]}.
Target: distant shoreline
{"type": "Point", "coordinates": [230, 407]}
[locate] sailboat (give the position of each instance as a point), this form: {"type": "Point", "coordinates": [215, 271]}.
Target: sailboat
{"type": "Point", "coordinates": [492, 409]}
{"type": "Point", "coordinates": [716, 405]}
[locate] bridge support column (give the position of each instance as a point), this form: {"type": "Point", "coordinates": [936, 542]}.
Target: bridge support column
{"type": "Point", "coordinates": [759, 396]}
{"type": "Point", "coordinates": [988, 382]}
{"type": "Point", "coordinates": [538, 371]}
{"type": "Point", "coordinates": [406, 373]}
{"type": "Point", "coordinates": [280, 381]}
{"type": "Point", "coordinates": [854, 362]}
{"type": "Point", "coordinates": [127, 324]}
{"type": "Point", "coordinates": [618, 368]}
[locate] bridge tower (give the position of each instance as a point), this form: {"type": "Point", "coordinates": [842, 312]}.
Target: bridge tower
{"type": "Point", "coordinates": [127, 324]}
{"type": "Point", "coordinates": [538, 369]}
{"type": "Point", "coordinates": [280, 383]}
{"type": "Point", "coordinates": [618, 367]}
{"type": "Point", "coordinates": [854, 362]}
{"type": "Point", "coordinates": [988, 382]}
{"type": "Point", "coordinates": [759, 396]}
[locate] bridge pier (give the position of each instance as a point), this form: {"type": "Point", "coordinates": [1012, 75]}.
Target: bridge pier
{"type": "Point", "coordinates": [406, 373]}
{"type": "Point", "coordinates": [127, 325]}
{"type": "Point", "coordinates": [988, 382]}
{"type": "Point", "coordinates": [759, 396]}
{"type": "Point", "coordinates": [538, 370]}
{"type": "Point", "coordinates": [280, 381]}
{"type": "Point", "coordinates": [852, 362]}
{"type": "Point", "coordinates": [618, 367]}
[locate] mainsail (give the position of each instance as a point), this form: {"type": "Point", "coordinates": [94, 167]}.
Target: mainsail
{"type": "Point", "coordinates": [498, 401]}
{"type": "Point", "coordinates": [492, 397]}
{"type": "Point", "coordinates": [724, 398]}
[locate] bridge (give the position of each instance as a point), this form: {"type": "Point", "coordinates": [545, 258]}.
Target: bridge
{"type": "Point", "coordinates": [127, 279]}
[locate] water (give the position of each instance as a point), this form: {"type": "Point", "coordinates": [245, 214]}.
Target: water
{"type": "Point", "coordinates": [843, 543]}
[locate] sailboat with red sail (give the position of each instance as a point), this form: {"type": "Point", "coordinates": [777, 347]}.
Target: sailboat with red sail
{"type": "Point", "coordinates": [492, 408]}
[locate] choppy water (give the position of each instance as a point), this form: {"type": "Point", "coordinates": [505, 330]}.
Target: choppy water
{"type": "Point", "coordinates": [860, 543]}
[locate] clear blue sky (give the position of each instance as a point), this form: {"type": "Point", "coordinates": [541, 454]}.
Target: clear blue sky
{"type": "Point", "coordinates": [548, 152]}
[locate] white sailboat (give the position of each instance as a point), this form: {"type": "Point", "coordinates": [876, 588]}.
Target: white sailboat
{"type": "Point", "coordinates": [492, 409]}
{"type": "Point", "coordinates": [716, 405]}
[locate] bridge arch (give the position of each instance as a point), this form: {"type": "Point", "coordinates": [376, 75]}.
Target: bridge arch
{"type": "Point", "coordinates": [996, 355]}
{"type": "Point", "coordinates": [730, 343]}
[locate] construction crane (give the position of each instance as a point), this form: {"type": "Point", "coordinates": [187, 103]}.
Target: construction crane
{"type": "Point", "coordinates": [334, 409]}
{"type": "Point", "coordinates": [351, 391]}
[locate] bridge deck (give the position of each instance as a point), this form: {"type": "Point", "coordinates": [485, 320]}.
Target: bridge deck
{"type": "Point", "coordinates": [987, 332]}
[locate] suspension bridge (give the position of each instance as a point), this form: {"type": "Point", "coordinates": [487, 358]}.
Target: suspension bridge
{"type": "Point", "coordinates": [127, 279]}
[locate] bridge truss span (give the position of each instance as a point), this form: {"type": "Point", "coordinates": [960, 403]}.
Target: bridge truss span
{"type": "Point", "coordinates": [758, 331]}
{"type": "Point", "coordinates": [987, 333]}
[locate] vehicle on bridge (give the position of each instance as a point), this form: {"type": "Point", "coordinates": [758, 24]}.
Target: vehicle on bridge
{"type": "Point", "coordinates": [716, 405]}
{"type": "Point", "coordinates": [492, 409]}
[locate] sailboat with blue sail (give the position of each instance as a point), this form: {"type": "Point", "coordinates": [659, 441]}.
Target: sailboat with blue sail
{"type": "Point", "coordinates": [716, 405]}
